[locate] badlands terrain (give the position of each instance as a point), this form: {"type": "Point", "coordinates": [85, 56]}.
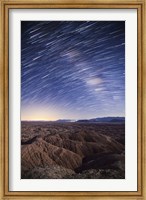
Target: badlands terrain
{"type": "Point", "coordinates": [72, 150]}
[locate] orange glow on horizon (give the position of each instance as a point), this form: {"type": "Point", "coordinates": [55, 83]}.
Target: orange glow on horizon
{"type": "Point", "coordinates": [37, 119]}
{"type": "Point", "coordinates": [37, 114]}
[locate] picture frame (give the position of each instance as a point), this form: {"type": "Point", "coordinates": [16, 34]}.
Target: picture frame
{"type": "Point", "coordinates": [6, 6]}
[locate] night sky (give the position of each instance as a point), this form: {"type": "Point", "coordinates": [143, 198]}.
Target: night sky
{"type": "Point", "coordinates": [72, 69]}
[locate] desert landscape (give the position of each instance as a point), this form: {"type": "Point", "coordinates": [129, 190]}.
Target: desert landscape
{"type": "Point", "coordinates": [73, 150]}
{"type": "Point", "coordinates": [73, 99]}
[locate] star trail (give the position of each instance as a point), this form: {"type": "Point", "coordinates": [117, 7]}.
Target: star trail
{"type": "Point", "coordinates": [72, 69]}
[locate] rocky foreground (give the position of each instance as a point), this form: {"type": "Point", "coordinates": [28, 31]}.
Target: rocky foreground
{"type": "Point", "coordinates": [51, 150]}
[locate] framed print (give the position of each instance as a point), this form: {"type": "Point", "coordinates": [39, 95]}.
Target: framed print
{"type": "Point", "coordinates": [72, 99]}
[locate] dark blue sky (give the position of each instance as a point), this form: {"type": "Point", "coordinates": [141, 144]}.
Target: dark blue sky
{"type": "Point", "coordinates": [72, 70]}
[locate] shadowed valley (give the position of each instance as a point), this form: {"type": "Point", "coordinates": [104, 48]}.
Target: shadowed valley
{"type": "Point", "coordinates": [72, 150]}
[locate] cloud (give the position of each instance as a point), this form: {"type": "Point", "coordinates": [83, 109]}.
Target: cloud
{"type": "Point", "coordinates": [99, 89]}
{"type": "Point", "coordinates": [94, 81]}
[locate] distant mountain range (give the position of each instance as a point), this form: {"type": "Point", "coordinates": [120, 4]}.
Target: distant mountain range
{"type": "Point", "coordinates": [101, 119]}
{"type": "Point", "coordinates": [65, 120]}
{"type": "Point", "coordinates": [104, 119]}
